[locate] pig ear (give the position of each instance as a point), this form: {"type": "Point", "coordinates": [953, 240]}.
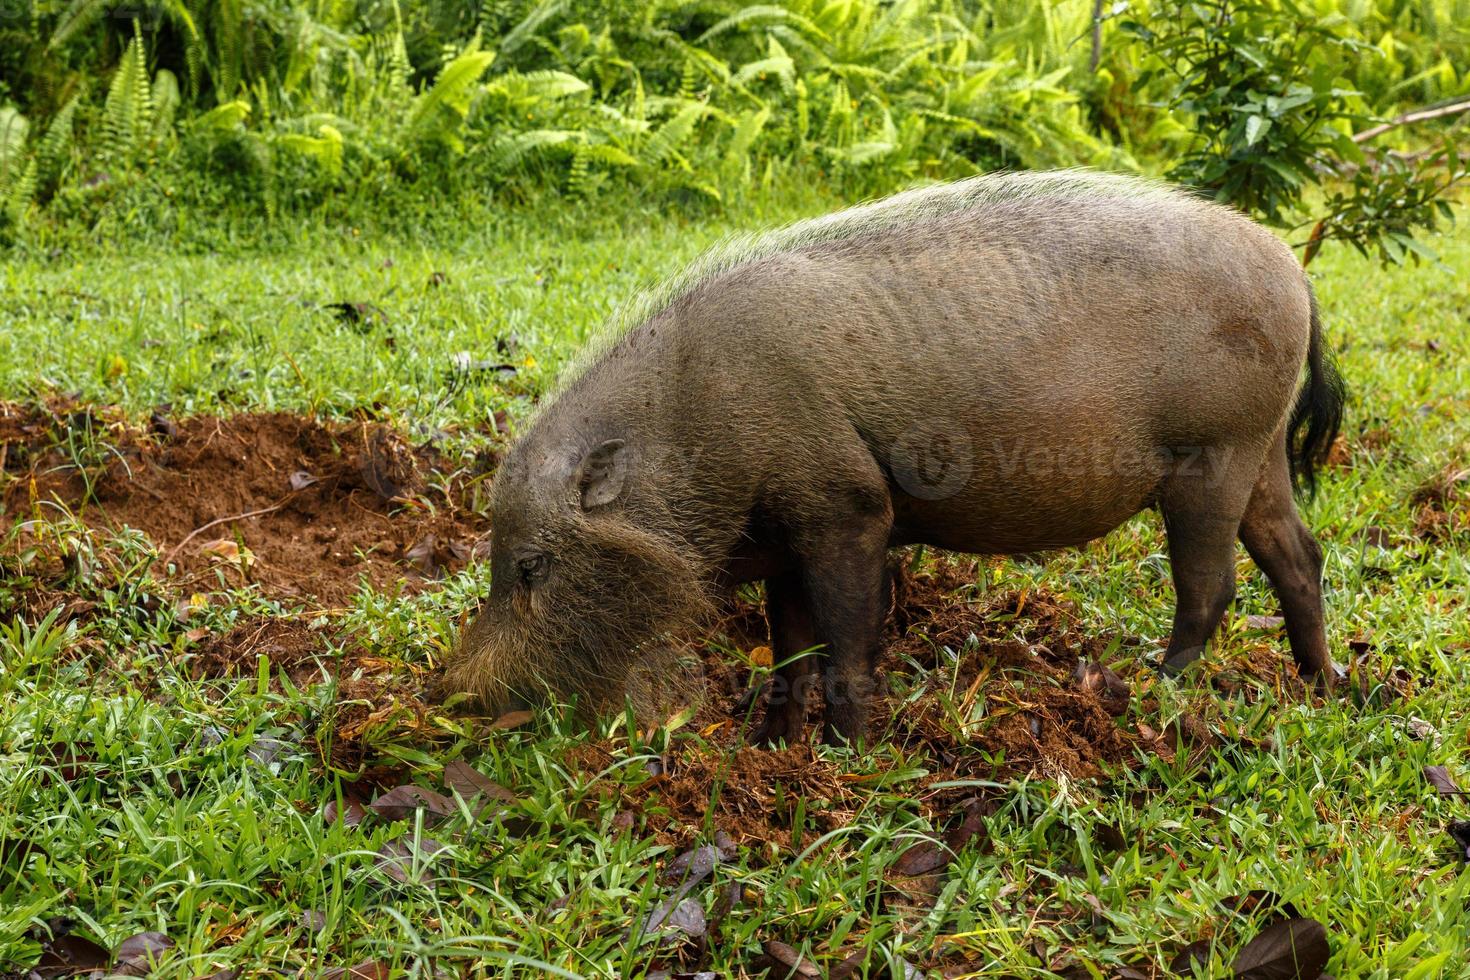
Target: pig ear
{"type": "Point", "coordinates": [602, 473]}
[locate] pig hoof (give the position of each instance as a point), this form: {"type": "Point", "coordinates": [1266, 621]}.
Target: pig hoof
{"type": "Point", "coordinates": [774, 729]}
{"type": "Point", "coordinates": [1324, 681]}
{"type": "Point", "coordinates": [1180, 662]}
{"type": "Point", "coordinates": [1172, 668]}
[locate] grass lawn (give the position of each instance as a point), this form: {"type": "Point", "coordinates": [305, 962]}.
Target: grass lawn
{"type": "Point", "coordinates": [176, 713]}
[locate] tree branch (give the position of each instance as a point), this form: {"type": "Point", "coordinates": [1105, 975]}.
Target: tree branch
{"type": "Point", "coordinates": [1418, 115]}
{"type": "Point", "coordinates": [1092, 63]}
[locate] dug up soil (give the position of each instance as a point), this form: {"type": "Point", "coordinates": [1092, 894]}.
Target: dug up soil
{"type": "Point", "coordinates": [298, 507]}
{"type": "Point", "coordinates": [990, 685]}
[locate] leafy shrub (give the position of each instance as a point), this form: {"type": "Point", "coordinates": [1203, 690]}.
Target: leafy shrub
{"type": "Point", "coordinates": [1267, 86]}
{"type": "Point", "coordinates": [284, 105]}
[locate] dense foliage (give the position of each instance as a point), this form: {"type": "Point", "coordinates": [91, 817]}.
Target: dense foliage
{"type": "Point", "coordinates": [302, 104]}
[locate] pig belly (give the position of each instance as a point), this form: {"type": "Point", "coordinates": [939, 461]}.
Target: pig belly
{"type": "Point", "coordinates": [1018, 496]}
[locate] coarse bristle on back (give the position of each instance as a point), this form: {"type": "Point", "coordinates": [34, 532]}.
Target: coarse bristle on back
{"type": "Point", "coordinates": [901, 210]}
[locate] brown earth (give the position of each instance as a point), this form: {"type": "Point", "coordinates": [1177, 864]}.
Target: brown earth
{"type": "Point", "coordinates": [1027, 714]}
{"type": "Point", "coordinates": [304, 509]}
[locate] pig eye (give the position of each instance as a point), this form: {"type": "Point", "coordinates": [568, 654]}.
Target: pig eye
{"type": "Point", "coordinates": [534, 568]}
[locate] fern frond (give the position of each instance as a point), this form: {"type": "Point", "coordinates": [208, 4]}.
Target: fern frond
{"type": "Point", "coordinates": [530, 24]}
{"type": "Point", "coordinates": [536, 85]}
{"type": "Point", "coordinates": [165, 99]}
{"type": "Point", "coordinates": [439, 113]}
{"type": "Point", "coordinates": [222, 118]}
{"type": "Point", "coordinates": [803, 111]}
{"type": "Point", "coordinates": [666, 140]}
{"type": "Point", "coordinates": [782, 67]}
{"type": "Point", "coordinates": [17, 192]}
{"type": "Point", "coordinates": [125, 114]}
{"type": "Point", "coordinates": [13, 130]}
{"type": "Point", "coordinates": [610, 155]}
{"type": "Point", "coordinates": [325, 148]}
{"type": "Point", "coordinates": [507, 151]}
{"type": "Point", "coordinates": [78, 17]}
{"type": "Point", "coordinates": [763, 14]}
{"type": "Point", "coordinates": [688, 75]}
{"type": "Point", "coordinates": [57, 142]}
{"type": "Point", "coordinates": [747, 130]}
{"type": "Point", "coordinates": [229, 48]}
{"type": "Point", "coordinates": [581, 167]}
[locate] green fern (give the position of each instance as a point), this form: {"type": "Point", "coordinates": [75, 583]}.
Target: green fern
{"type": "Point", "coordinates": [400, 68]}
{"type": "Point", "coordinates": [17, 172]}
{"type": "Point", "coordinates": [439, 113]}
{"type": "Point", "coordinates": [507, 151]}
{"type": "Point", "coordinates": [17, 169]}
{"type": "Point", "coordinates": [688, 78]}
{"type": "Point", "coordinates": [165, 103]}
{"type": "Point", "coordinates": [578, 174]}
{"type": "Point", "coordinates": [530, 24]}
{"type": "Point", "coordinates": [325, 148]}
{"type": "Point", "coordinates": [222, 118]}
{"type": "Point", "coordinates": [13, 130]}
{"type": "Point", "coordinates": [227, 33]}
{"type": "Point", "coordinates": [20, 192]}
{"type": "Point", "coordinates": [524, 91]}
{"type": "Point", "coordinates": [778, 63]}
{"type": "Point", "coordinates": [56, 145]}
{"type": "Point", "coordinates": [126, 114]}
{"type": "Point", "coordinates": [747, 131]}
{"type": "Point", "coordinates": [764, 14]}
{"type": "Point", "coordinates": [665, 142]}
{"type": "Point", "coordinates": [79, 16]}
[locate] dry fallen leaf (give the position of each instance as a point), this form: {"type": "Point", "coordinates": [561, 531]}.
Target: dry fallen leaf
{"type": "Point", "coordinates": [386, 467]}
{"type": "Point", "coordinates": [699, 863]}
{"type": "Point", "coordinates": [228, 551]}
{"type": "Point", "coordinates": [512, 719]}
{"type": "Point", "coordinates": [1292, 949]}
{"type": "Point", "coordinates": [350, 814]}
{"type": "Point", "coordinates": [396, 858]}
{"type": "Point", "coordinates": [1260, 902]}
{"type": "Point", "coordinates": [1112, 690]}
{"type": "Point", "coordinates": [422, 556]}
{"type": "Point", "coordinates": [462, 778]}
{"type": "Point", "coordinates": [1439, 778]}
{"type": "Point", "coordinates": [137, 955]}
{"type": "Point", "coordinates": [186, 609]}
{"type": "Point", "coordinates": [401, 802]}
{"type": "Point", "coordinates": [931, 855]}
{"type": "Point", "coordinates": [795, 964]}
{"type": "Point", "coordinates": [70, 955]}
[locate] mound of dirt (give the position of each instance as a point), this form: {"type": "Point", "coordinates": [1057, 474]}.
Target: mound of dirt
{"type": "Point", "coordinates": [1008, 687]}
{"type": "Point", "coordinates": [1018, 700]}
{"type": "Point", "coordinates": [302, 508]}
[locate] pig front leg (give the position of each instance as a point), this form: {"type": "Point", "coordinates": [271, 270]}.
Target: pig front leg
{"type": "Point", "coordinates": [792, 634]}
{"type": "Point", "coordinates": [842, 557]}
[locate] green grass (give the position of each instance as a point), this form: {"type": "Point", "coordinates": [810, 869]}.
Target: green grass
{"type": "Point", "coordinates": [152, 808]}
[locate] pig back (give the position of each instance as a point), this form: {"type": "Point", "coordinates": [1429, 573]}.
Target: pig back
{"type": "Point", "coordinates": [1024, 372]}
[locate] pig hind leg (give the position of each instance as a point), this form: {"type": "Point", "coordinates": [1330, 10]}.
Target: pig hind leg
{"type": "Point", "coordinates": [1203, 501]}
{"type": "Point", "coordinates": [792, 634]}
{"type": "Point", "coordinates": [1285, 550]}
